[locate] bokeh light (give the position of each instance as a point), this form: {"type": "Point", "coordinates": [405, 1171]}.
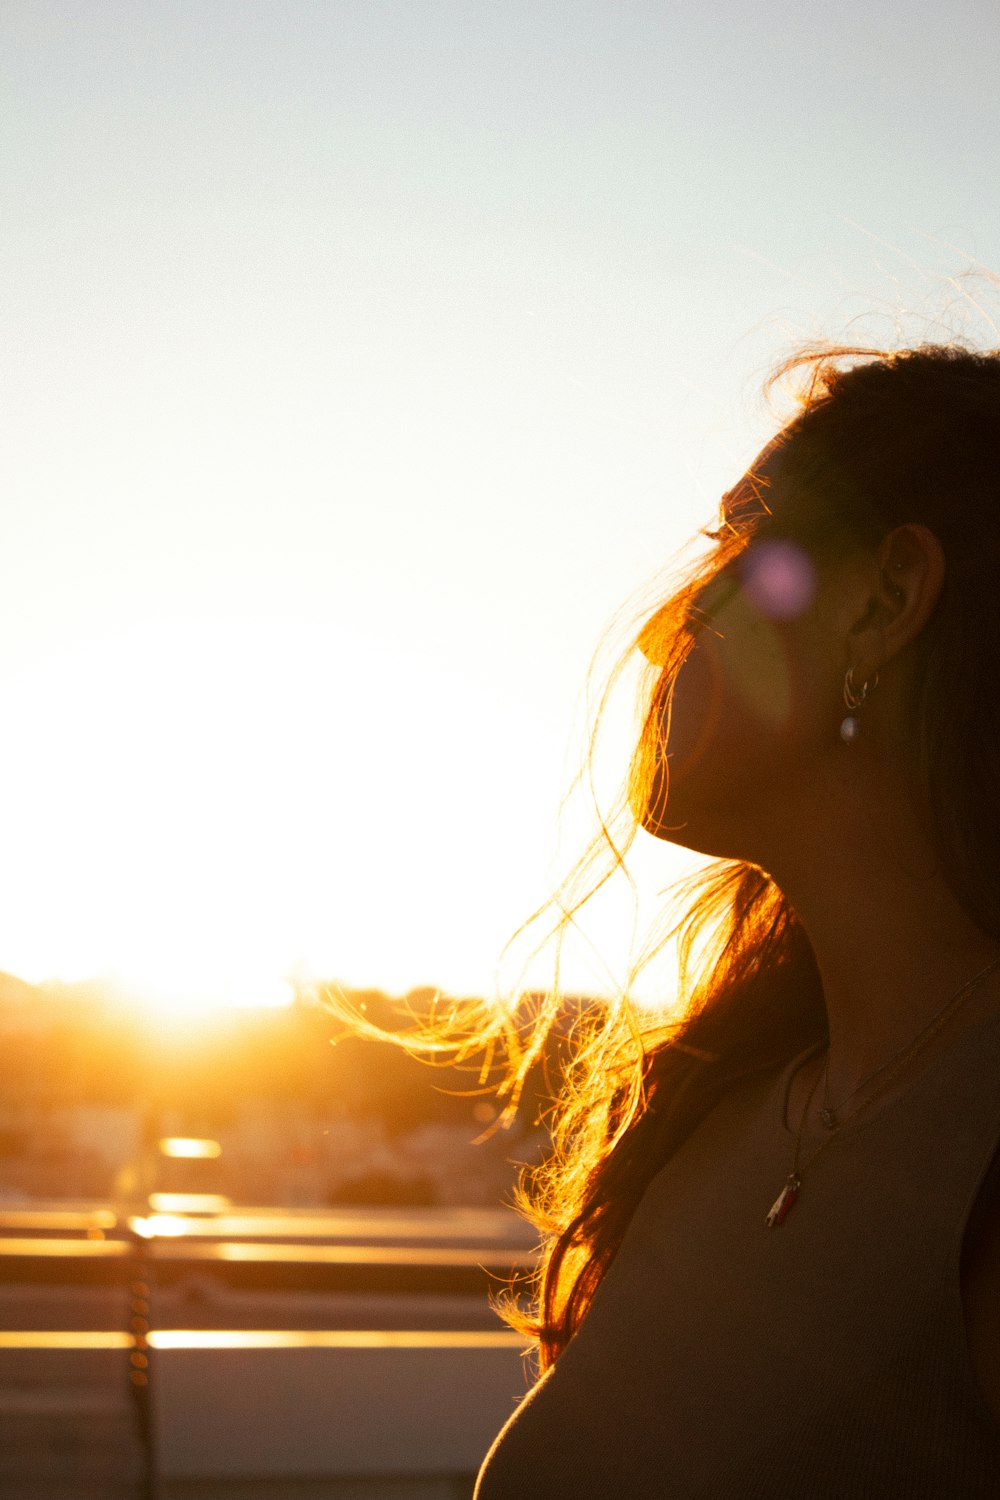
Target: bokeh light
{"type": "Point", "coordinates": [779, 579]}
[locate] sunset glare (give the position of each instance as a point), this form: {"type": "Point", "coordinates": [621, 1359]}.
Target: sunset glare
{"type": "Point", "coordinates": [361, 361]}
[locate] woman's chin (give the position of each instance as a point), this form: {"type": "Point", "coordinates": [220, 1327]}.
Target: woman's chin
{"type": "Point", "coordinates": [690, 825]}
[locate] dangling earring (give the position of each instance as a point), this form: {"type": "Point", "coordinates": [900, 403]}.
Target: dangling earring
{"type": "Point", "coordinates": [850, 727]}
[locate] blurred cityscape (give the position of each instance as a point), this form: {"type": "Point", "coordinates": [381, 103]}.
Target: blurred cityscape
{"type": "Point", "coordinates": [93, 1084]}
{"type": "Point", "coordinates": [238, 1260]}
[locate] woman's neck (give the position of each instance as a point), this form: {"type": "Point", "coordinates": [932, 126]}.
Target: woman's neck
{"type": "Point", "coordinates": [892, 942]}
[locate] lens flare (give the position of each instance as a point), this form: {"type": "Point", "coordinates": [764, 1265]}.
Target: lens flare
{"type": "Point", "coordinates": [778, 579]}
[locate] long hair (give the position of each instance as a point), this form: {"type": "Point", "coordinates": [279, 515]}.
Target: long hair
{"type": "Point", "coordinates": [879, 438]}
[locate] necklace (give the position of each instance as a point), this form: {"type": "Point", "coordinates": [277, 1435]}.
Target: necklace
{"type": "Point", "coordinates": [785, 1200]}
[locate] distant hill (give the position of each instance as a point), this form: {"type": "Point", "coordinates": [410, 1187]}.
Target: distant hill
{"type": "Point", "coordinates": [79, 1045]}
{"type": "Point", "coordinates": [14, 991]}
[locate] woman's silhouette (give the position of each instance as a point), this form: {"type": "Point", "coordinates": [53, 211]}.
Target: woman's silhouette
{"type": "Point", "coordinates": [772, 1258]}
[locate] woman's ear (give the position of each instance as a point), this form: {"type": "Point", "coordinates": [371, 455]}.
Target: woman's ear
{"type": "Point", "coordinates": [904, 589]}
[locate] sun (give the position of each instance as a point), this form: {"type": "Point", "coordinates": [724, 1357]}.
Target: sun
{"type": "Point", "coordinates": [202, 988]}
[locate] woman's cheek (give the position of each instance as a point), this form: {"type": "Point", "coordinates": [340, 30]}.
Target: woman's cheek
{"type": "Point", "coordinates": [733, 699]}
{"type": "Point", "coordinates": [759, 680]}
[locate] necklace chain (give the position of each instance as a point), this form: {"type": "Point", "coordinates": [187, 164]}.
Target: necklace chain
{"type": "Point", "coordinates": [790, 1191]}
{"type": "Point", "coordinates": [829, 1116]}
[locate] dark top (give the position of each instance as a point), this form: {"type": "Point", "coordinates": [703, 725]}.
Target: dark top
{"type": "Point", "coordinates": [825, 1359]}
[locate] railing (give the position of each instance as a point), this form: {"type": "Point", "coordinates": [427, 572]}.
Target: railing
{"type": "Point", "coordinates": [179, 1400]}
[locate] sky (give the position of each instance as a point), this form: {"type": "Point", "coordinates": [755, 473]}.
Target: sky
{"type": "Point", "coordinates": [360, 361]}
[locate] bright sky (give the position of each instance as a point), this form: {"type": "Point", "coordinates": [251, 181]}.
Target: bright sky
{"type": "Point", "coordinates": [360, 359]}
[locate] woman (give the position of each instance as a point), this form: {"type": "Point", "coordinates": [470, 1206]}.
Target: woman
{"type": "Point", "coordinates": [773, 1258]}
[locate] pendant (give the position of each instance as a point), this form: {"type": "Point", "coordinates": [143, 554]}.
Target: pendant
{"type": "Point", "coordinates": [782, 1205]}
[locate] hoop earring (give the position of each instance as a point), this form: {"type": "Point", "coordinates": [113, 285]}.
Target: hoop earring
{"type": "Point", "coordinates": [850, 727]}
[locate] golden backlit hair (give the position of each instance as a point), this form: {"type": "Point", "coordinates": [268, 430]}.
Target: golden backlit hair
{"type": "Point", "coordinates": [878, 438]}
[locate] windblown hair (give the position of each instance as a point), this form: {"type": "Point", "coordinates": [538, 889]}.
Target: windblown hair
{"type": "Point", "coordinates": [879, 438]}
